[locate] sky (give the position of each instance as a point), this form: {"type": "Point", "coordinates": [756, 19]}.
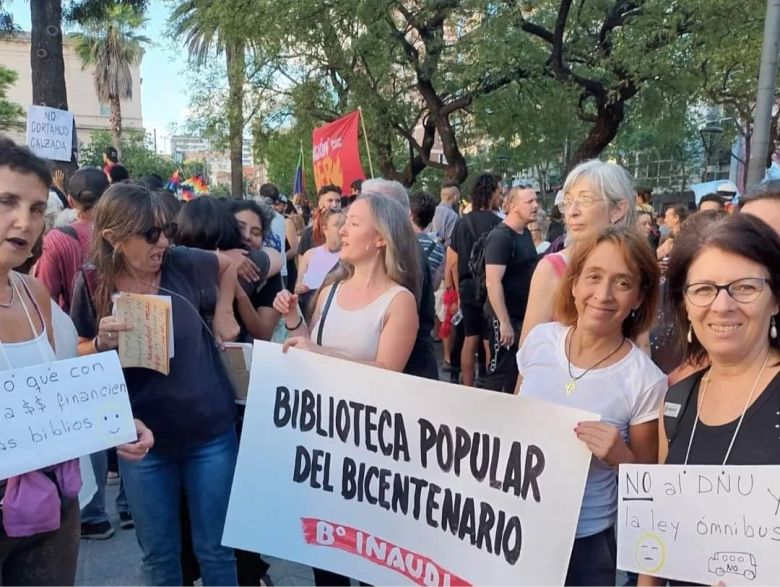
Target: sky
{"type": "Point", "coordinates": [164, 94]}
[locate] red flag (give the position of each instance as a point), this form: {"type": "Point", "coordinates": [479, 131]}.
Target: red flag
{"type": "Point", "coordinates": [336, 155]}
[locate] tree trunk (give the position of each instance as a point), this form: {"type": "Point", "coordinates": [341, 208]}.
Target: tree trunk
{"type": "Point", "coordinates": [604, 129]}
{"type": "Point", "coordinates": [115, 121]}
{"type": "Point", "coordinates": [234, 52]}
{"type": "Point", "coordinates": [46, 60]}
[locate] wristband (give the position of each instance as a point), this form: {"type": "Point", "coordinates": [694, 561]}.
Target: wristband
{"type": "Point", "coordinates": [296, 327]}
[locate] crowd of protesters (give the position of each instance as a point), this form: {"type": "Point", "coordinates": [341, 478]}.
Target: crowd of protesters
{"type": "Point", "coordinates": [601, 305]}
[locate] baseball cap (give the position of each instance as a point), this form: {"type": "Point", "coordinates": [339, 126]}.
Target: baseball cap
{"type": "Point", "coordinates": [86, 185]}
{"type": "Point", "coordinates": [727, 187]}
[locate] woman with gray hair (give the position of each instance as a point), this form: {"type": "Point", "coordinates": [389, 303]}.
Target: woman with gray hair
{"type": "Point", "coordinates": [596, 194]}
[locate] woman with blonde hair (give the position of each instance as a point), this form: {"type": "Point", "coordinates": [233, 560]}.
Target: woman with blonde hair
{"type": "Point", "coordinates": [366, 310]}
{"type": "Point", "coordinates": [597, 194]}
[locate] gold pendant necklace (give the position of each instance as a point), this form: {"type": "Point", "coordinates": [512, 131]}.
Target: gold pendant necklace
{"type": "Point", "coordinates": [571, 386]}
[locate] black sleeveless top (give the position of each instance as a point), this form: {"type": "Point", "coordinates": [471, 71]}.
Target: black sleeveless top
{"type": "Point", "coordinates": [758, 441]}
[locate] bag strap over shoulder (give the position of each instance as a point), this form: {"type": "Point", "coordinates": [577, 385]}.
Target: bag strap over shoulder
{"type": "Point", "coordinates": [328, 302]}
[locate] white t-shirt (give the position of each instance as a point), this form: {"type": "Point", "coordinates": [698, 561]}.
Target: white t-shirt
{"type": "Point", "coordinates": [624, 394]}
{"type": "Point", "coordinates": [66, 339]}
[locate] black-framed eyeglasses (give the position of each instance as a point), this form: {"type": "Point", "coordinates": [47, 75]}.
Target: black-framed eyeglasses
{"type": "Point", "coordinates": [743, 291]}
{"type": "Point", "coordinates": [152, 235]}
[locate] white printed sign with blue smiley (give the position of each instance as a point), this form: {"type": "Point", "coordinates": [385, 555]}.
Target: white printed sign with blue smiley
{"type": "Point", "coordinates": [59, 411]}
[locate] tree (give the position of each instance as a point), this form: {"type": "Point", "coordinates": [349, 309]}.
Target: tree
{"type": "Point", "coordinates": [195, 22]}
{"type": "Point", "coordinates": [9, 111]}
{"type": "Point", "coordinates": [111, 46]}
{"type": "Point", "coordinates": [46, 59]}
{"type": "Point", "coordinates": [138, 155]}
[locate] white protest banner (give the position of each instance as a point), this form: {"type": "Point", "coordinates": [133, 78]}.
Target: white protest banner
{"type": "Point", "coordinates": [50, 132]}
{"type": "Point", "coordinates": [393, 479]}
{"type": "Point", "coordinates": [701, 524]}
{"type": "Point", "coordinates": [55, 412]}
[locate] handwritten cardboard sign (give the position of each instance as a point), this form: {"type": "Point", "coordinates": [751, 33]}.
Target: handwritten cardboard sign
{"type": "Point", "coordinates": [148, 344]}
{"type": "Point", "coordinates": [57, 412]}
{"type": "Point", "coordinates": [237, 359]}
{"type": "Point", "coordinates": [392, 479]}
{"type": "Point", "coordinates": [50, 132]}
{"type": "Point", "coordinates": [702, 524]}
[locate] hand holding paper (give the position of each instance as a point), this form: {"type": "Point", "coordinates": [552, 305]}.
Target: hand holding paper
{"type": "Point", "coordinates": [147, 345]}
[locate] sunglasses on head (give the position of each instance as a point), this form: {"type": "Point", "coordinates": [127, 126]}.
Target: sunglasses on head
{"type": "Point", "coordinates": [153, 234]}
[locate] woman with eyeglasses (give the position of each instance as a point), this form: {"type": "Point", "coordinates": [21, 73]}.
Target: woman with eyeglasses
{"type": "Point", "coordinates": [190, 410]}
{"type": "Point", "coordinates": [724, 290]}
{"type": "Point", "coordinates": [596, 195]}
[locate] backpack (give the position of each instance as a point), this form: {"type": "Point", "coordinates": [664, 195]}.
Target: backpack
{"type": "Point", "coordinates": [477, 261]}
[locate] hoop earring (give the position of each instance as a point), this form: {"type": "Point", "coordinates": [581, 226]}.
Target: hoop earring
{"type": "Point", "coordinates": [690, 334]}
{"type": "Point", "coordinates": [772, 329]}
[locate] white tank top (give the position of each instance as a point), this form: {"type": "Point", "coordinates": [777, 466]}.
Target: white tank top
{"type": "Point", "coordinates": [14, 355]}
{"type": "Point", "coordinates": [356, 332]}
{"type": "Point", "coordinates": [321, 262]}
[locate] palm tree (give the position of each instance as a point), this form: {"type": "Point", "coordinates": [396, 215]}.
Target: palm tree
{"type": "Point", "coordinates": [202, 34]}
{"type": "Point", "coordinates": [111, 45]}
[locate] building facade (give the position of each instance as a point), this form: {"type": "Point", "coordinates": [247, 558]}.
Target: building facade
{"type": "Point", "coordinates": [89, 113]}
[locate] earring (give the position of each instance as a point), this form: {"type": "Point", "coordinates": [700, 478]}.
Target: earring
{"type": "Point", "coordinates": [690, 334]}
{"type": "Point", "coordinates": [772, 328]}
{"type": "Point", "coordinates": [633, 313]}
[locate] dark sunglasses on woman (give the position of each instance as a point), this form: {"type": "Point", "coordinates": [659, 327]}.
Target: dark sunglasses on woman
{"type": "Point", "coordinates": [152, 235]}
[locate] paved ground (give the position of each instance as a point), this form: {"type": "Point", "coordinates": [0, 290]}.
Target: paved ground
{"type": "Point", "coordinates": [117, 561]}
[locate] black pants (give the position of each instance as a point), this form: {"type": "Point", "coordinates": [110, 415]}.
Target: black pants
{"type": "Point", "coordinates": [43, 559]}
{"type": "Point", "coordinates": [502, 368]}
{"type": "Point", "coordinates": [593, 560]}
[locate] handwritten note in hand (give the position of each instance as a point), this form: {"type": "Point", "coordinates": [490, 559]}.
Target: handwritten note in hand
{"type": "Point", "coordinates": [147, 344]}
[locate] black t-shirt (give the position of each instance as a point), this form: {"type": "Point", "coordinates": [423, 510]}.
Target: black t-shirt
{"type": "Point", "coordinates": [465, 234]}
{"type": "Point", "coordinates": [422, 361]}
{"type": "Point", "coordinates": [756, 442]}
{"type": "Point", "coordinates": [517, 252]}
{"type": "Point", "coordinates": [194, 402]}
{"type": "Point", "coordinates": [262, 292]}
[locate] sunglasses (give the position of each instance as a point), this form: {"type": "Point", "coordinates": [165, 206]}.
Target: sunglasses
{"type": "Point", "coordinates": [153, 234]}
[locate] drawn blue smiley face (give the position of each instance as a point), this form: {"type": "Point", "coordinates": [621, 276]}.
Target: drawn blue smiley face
{"type": "Point", "coordinates": [111, 422]}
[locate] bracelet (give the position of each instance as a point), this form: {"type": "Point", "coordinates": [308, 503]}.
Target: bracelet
{"type": "Point", "coordinates": [95, 345]}
{"type": "Point", "coordinates": [296, 327]}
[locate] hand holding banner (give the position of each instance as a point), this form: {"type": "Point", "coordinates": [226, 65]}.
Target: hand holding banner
{"type": "Point", "coordinates": [394, 479]}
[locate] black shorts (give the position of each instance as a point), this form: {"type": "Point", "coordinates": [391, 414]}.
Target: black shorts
{"type": "Point", "coordinates": [473, 319]}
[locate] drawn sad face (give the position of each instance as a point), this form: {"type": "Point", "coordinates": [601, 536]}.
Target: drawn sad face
{"type": "Point", "coordinates": [650, 553]}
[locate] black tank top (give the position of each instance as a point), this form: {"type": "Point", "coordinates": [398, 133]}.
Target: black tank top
{"type": "Point", "coordinates": [758, 441]}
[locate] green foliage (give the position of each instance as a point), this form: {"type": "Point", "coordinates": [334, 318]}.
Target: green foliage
{"type": "Point", "coordinates": [10, 112]}
{"type": "Point", "coordinates": [112, 46]}
{"type": "Point", "coordinates": [280, 150]}
{"type": "Point", "coordinates": [137, 155]}
{"type": "Point", "coordinates": [496, 81]}
{"type": "Point", "coordinates": [81, 11]}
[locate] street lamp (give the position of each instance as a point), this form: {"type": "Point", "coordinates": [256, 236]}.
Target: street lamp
{"type": "Point", "coordinates": [711, 137]}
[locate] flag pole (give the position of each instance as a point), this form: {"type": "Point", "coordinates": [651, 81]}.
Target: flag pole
{"type": "Point", "coordinates": [365, 137]}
